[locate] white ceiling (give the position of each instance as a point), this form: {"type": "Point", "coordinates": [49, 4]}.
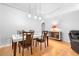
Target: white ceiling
{"type": "Point", "coordinates": [45, 9]}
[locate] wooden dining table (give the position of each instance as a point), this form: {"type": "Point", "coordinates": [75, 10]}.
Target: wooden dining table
{"type": "Point", "coordinates": [16, 38]}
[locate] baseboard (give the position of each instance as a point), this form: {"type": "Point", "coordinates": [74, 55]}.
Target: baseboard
{"type": "Point", "coordinates": [5, 45]}
{"type": "Point", "coordinates": [68, 42]}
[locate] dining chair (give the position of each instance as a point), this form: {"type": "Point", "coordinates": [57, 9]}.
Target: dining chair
{"type": "Point", "coordinates": [27, 41]}
{"type": "Point", "coordinates": [43, 39]}
{"type": "Point", "coordinates": [33, 34]}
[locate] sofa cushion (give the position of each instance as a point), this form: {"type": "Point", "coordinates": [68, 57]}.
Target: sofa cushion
{"type": "Point", "coordinates": [75, 36]}
{"type": "Point", "coordinates": [75, 40]}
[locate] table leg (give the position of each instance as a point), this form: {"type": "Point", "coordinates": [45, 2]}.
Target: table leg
{"type": "Point", "coordinates": [15, 48]}
{"type": "Point", "coordinates": [47, 40]}
{"type": "Point", "coordinates": [36, 44]}
{"type": "Point", "coordinates": [12, 44]}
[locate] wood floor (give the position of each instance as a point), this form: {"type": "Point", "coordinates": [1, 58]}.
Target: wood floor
{"type": "Point", "coordinates": [56, 48]}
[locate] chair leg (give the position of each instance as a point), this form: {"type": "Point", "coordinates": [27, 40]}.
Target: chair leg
{"type": "Point", "coordinates": [19, 48]}
{"type": "Point", "coordinates": [33, 42]}
{"type": "Point", "coordinates": [31, 50]}
{"type": "Point", "coordinates": [22, 51]}
{"type": "Point", "coordinates": [28, 48]}
{"type": "Point", "coordinates": [36, 44]}
{"type": "Point", "coordinates": [12, 44]}
{"type": "Point", "coordinates": [45, 44]}
{"type": "Point", "coordinates": [40, 46]}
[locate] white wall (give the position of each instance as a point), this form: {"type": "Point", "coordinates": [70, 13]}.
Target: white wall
{"type": "Point", "coordinates": [66, 22]}
{"type": "Point", "coordinates": [69, 21]}
{"type": "Point", "coordinates": [11, 20]}
{"type": "Point", "coordinates": [49, 22]}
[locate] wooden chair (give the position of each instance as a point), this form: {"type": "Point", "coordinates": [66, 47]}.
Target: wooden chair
{"type": "Point", "coordinates": [43, 39]}
{"type": "Point", "coordinates": [27, 41]}
{"type": "Point", "coordinates": [12, 44]}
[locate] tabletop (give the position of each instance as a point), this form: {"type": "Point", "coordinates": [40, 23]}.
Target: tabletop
{"type": "Point", "coordinates": [17, 38]}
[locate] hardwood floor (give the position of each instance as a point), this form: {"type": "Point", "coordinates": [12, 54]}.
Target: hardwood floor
{"type": "Point", "coordinates": [56, 48]}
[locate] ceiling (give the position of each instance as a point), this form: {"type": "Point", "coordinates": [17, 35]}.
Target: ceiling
{"type": "Point", "coordinates": [45, 9]}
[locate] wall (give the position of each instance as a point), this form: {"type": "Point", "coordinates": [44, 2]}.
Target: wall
{"type": "Point", "coordinates": [69, 21]}
{"type": "Point", "coordinates": [11, 20]}
{"type": "Point", "coordinates": [66, 22]}
{"type": "Point", "coordinates": [50, 21]}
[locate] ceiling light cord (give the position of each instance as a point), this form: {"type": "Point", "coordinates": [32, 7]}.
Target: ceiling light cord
{"type": "Point", "coordinates": [29, 10]}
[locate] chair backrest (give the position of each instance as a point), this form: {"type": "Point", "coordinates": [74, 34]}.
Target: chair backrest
{"type": "Point", "coordinates": [19, 32]}
{"type": "Point", "coordinates": [45, 33]}
{"type": "Point", "coordinates": [27, 37]}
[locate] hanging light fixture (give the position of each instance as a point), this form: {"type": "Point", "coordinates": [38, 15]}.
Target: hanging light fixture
{"type": "Point", "coordinates": [40, 18]}
{"type": "Point", "coordinates": [35, 17]}
{"type": "Point", "coordinates": [29, 15]}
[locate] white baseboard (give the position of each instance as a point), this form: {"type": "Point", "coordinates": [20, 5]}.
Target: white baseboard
{"type": "Point", "coordinates": [5, 45]}
{"type": "Point", "coordinates": [66, 41]}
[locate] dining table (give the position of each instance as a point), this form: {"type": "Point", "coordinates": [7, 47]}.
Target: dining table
{"type": "Point", "coordinates": [16, 38]}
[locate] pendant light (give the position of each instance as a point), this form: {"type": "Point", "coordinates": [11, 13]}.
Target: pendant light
{"type": "Point", "coordinates": [29, 15]}
{"type": "Point", "coordinates": [35, 16]}
{"type": "Point", "coordinates": [40, 18]}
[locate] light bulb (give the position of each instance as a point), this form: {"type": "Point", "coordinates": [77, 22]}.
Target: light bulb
{"type": "Point", "coordinates": [29, 15]}
{"type": "Point", "coordinates": [35, 17]}
{"type": "Point", "coordinates": [40, 18]}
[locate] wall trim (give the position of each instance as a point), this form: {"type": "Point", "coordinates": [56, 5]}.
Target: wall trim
{"type": "Point", "coordinates": [68, 42]}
